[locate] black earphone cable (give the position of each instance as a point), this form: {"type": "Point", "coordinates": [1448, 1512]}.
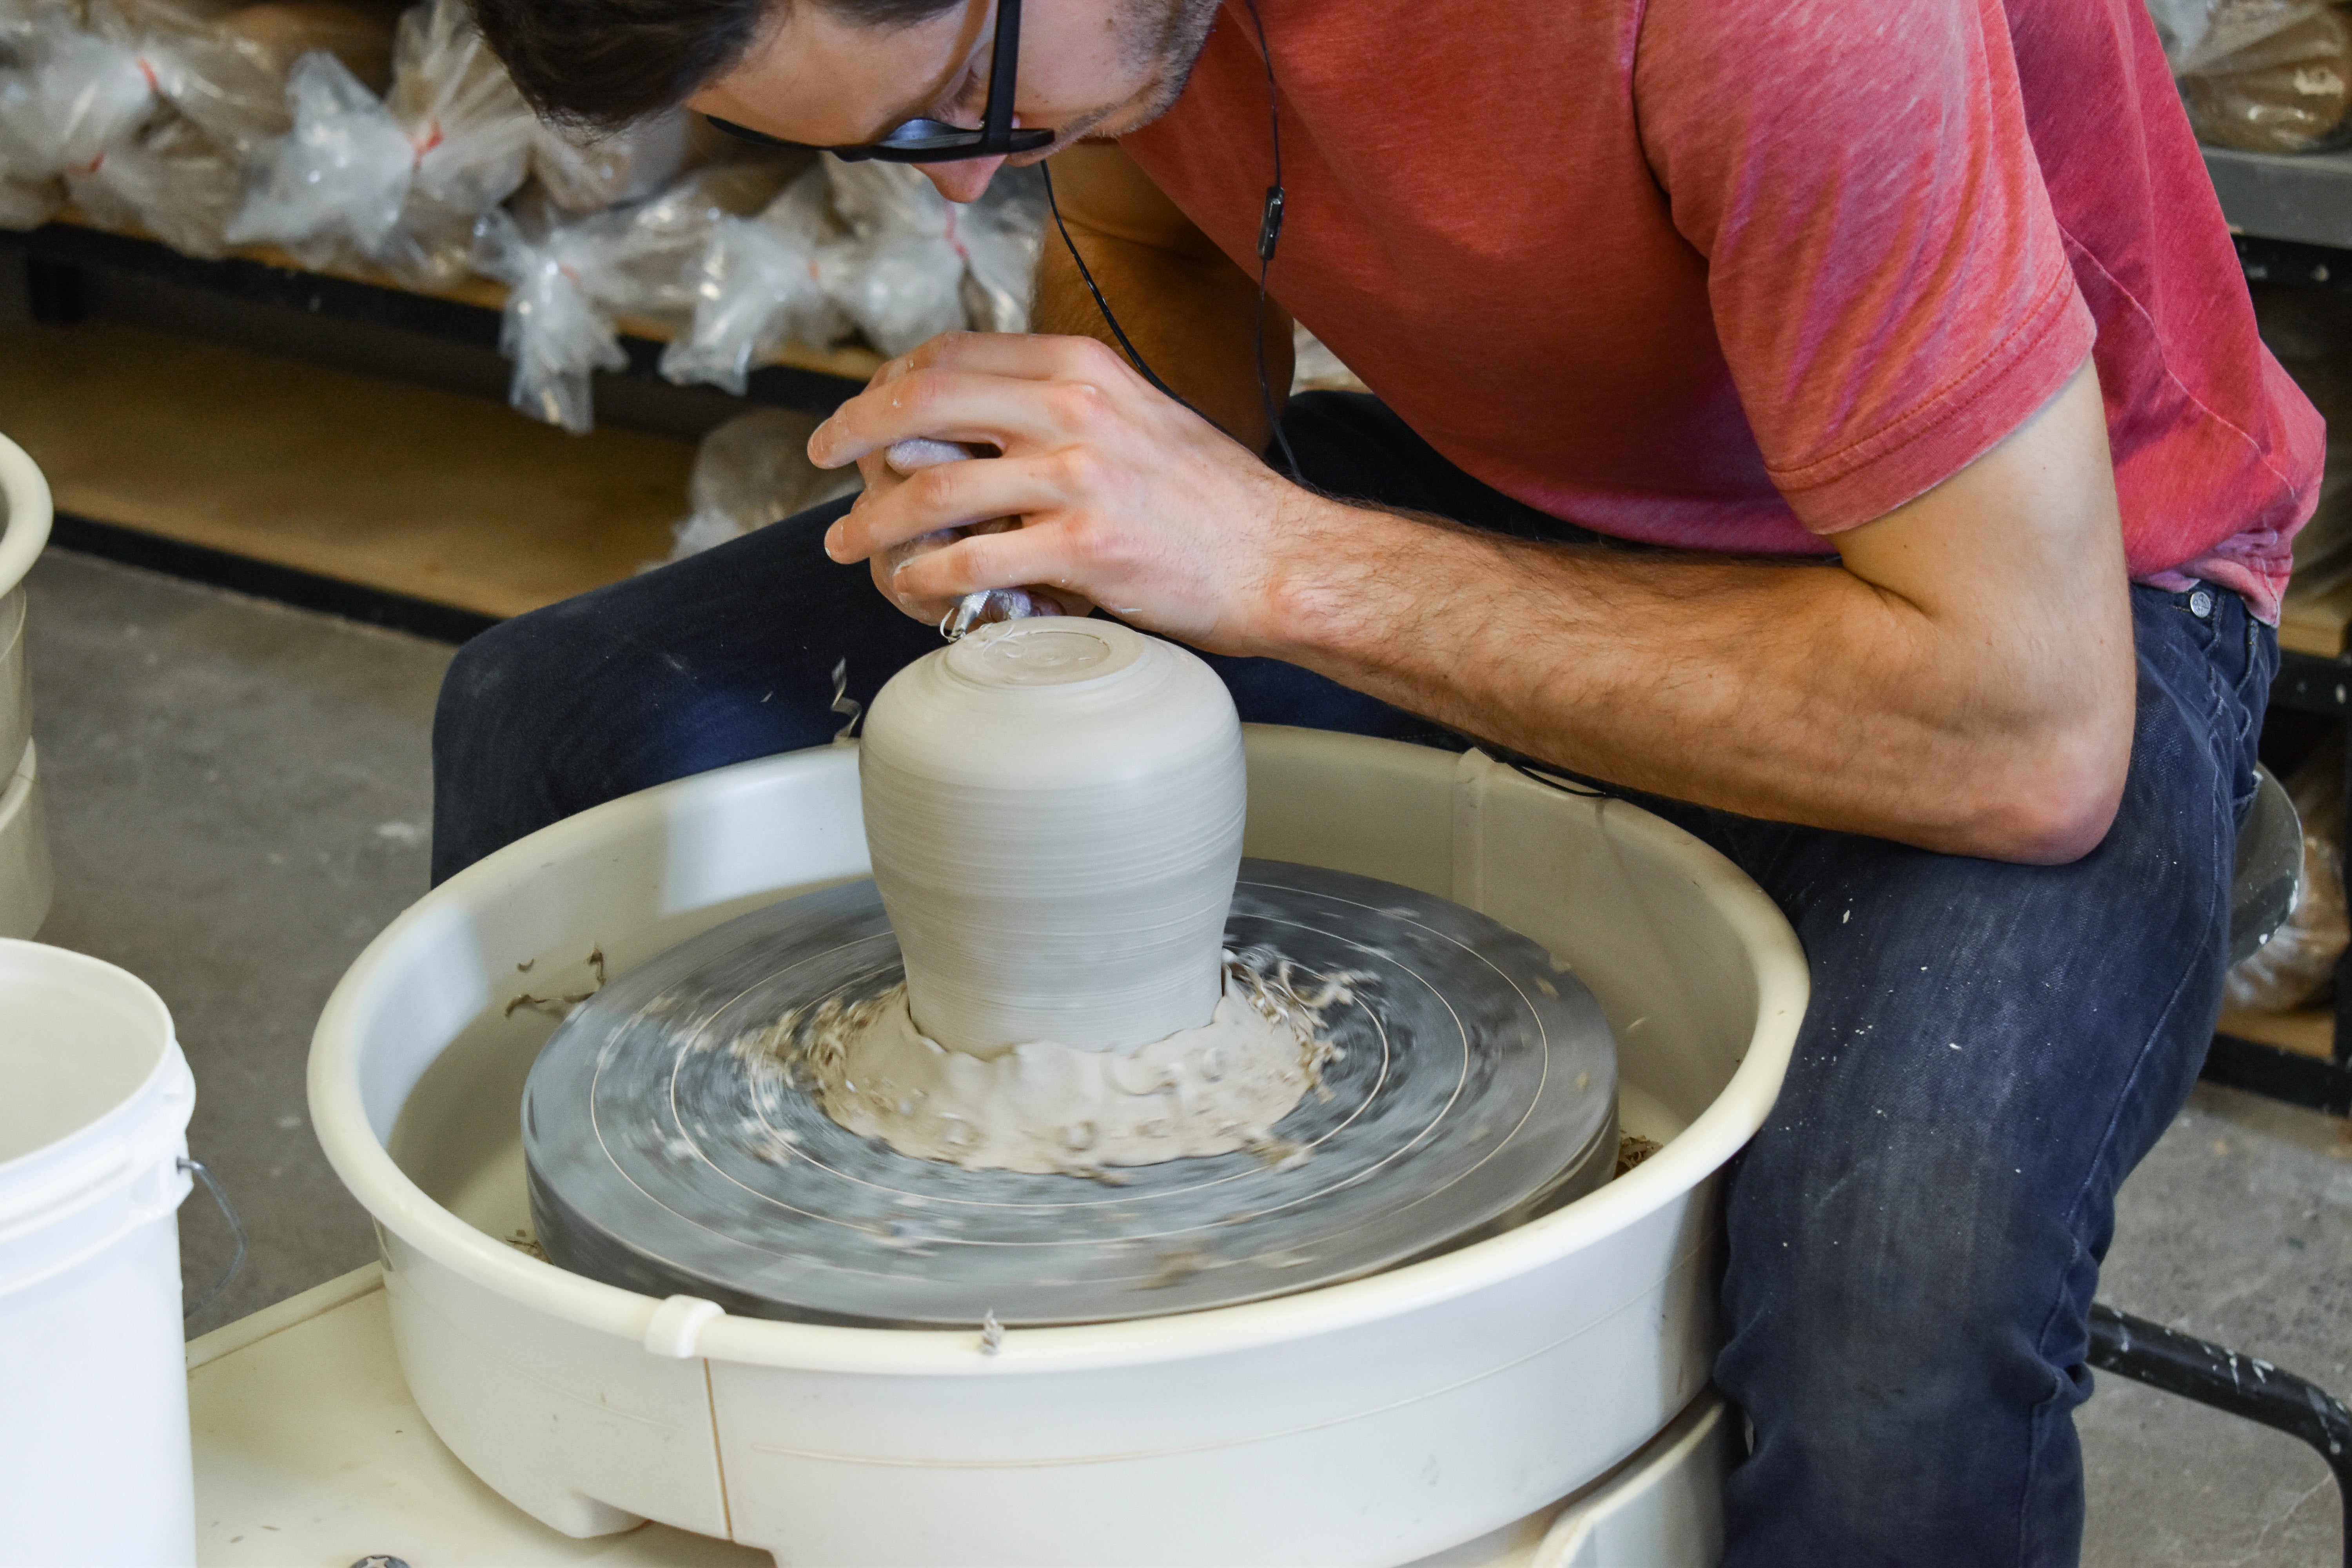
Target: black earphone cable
{"type": "Point", "coordinates": [1134, 356]}
{"type": "Point", "coordinates": [1269, 235]}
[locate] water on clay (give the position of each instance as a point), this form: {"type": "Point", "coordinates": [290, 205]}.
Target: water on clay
{"type": "Point", "coordinates": [1047, 1106]}
{"type": "Point", "coordinates": [677, 1141]}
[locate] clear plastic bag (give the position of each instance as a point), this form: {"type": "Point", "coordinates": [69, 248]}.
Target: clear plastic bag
{"type": "Point", "coordinates": [201, 67]}
{"type": "Point", "coordinates": [175, 181]}
{"type": "Point", "coordinates": [645, 261]}
{"type": "Point", "coordinates": [914, 265]}
{"type": "Point", "coordinates": [586, 172]}
{"type": "Point", "coordinates": [71, 96]}
{"type": "Point", "coordinates": [2295, 966]}
{"type": "Point", "coordinates": [150, 108]}
{"type": "Point", "coordinates": [571, 277]}
{"type": "Point", "coordinates": [2286, 93]}
{"type": "Point", "coordinates": [758, 287]}
{"type": "Point", "coordinates": [28, 198]}
{"type": "Point", "coordinates": [1001, 236]}
{"type": "Point", "coordinates": [275, 34]}
{"type": "Point", "coordinates": [750, 472]}
{"type": "Point", "coordinates": [2196, 33]}
{"type": "Point", "coordinates": [553, 330]}
{"type": "Point", "coordinates": [472, 137]}
{"type": "Point", "coordinates": [339, 180]}
{"type": "Point", "coordinates": [2260, 76]}
{"type": "Point", "coordinates": [896, 275]}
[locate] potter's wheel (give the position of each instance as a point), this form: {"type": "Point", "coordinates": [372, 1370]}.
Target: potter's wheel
{"type": "Point", "coordinates": [1475, 1084]}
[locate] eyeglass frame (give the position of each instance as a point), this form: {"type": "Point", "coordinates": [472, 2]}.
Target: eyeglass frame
{"type": "Point", "coordinates": [921, 141]}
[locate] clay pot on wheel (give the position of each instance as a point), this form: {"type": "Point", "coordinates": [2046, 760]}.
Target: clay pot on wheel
{"type": "Point", "coordinates": [1054, 810]}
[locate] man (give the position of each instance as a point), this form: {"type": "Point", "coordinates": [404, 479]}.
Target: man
{"type": "Point", "coordinates": [1843, 425]}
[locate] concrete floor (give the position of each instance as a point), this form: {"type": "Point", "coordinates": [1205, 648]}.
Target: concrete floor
{"type": "Point", "coordinates": [239, 798]}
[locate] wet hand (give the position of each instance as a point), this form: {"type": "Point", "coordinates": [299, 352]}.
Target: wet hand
{"type": "Point", "coordinates": [1125, 496]}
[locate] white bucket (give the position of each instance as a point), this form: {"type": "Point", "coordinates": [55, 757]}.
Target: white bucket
{"type": "Point", "coordinates": [24, 875]}
{"type": "Point", "coordinates": [26, 513]}
{"type": "Point", "coordinates": [94, 1103]}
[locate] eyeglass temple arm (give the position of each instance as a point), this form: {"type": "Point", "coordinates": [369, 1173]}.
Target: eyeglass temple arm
{"type": "Point", "coordinates": [1004, 63]}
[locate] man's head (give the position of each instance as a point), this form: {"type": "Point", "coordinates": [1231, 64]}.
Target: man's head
{"type": "Point", "coordinates": [837, 72]}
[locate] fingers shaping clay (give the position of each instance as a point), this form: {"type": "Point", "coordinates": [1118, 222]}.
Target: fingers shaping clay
{"type": "Point", "coordinates": [1054, 810]}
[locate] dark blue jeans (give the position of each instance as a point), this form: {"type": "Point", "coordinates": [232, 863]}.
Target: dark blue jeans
{"type": "Point", "coordinates": [1915, 1236]}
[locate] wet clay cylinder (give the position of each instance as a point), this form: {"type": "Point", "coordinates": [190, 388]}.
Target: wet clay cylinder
{"type": "Point", "coordinates": [1054, 806]}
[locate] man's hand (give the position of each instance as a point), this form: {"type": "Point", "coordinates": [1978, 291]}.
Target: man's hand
{"type": "Point", "coordinates": [1126, 498]}
{"type": "Point", "coordinates": [1962, 680]}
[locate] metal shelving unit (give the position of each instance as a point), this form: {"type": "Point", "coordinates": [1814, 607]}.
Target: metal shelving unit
{"type": "Point", "coordinates": [2292, 220]}
{"type": "Point", "coordinates": [58, 258]}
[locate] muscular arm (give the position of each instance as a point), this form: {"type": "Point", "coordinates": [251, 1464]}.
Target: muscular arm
{"type": "Point", "coordinates": [1961, 679]}
{"type": "Point", "coordinates": [1182, 302]}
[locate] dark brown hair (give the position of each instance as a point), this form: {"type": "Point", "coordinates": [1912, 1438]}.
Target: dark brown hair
{"type": "Point", "coordinates": [607, 62]}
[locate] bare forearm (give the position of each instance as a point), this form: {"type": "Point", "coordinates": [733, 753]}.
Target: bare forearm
{"type": "Point", "coordinates": [1191, 319]}
{"type": "Point", "coordinates": [1796, 693]}
{"type": "Point", "coordinates": [1962, 679]}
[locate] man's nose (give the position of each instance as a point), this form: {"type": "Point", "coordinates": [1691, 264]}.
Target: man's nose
{"type": "Point", "coordinates": [963, 179]}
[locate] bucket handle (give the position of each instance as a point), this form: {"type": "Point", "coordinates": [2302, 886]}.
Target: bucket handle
{"type": "Point", "coordinates": [197, 1169]}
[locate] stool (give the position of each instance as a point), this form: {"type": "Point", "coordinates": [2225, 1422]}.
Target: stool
{"type": "Point", "coordinates": [2268, 874]}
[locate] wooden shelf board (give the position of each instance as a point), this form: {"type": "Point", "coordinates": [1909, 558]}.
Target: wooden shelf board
{"type": "Point", "coordinates": [2310, 1032]}
{"type": "Point", "coordinates": [425, 492]}
{"type": "Point", "coordinates": [2315, 623]}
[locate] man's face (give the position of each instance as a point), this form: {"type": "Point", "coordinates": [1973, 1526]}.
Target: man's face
{"type": "Point", "coordinates": [1088, 68]}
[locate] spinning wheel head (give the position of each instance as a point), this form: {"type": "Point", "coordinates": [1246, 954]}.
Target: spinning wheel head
{"type": "Point", "coordinates": [1474, 1084]}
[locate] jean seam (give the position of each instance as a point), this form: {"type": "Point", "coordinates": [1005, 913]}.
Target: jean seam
{"type": "Point", "coordinates": [2100, 1158]}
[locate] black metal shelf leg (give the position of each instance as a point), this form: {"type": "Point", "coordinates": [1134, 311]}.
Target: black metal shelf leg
{"type": "Point", "coordinates": [2193, 1369]}
{"type": "Point", "coordinates": [56, 292]}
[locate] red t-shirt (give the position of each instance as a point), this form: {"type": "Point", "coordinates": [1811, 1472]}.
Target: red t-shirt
{"type": "Point", "coordinates": [1735, 275]}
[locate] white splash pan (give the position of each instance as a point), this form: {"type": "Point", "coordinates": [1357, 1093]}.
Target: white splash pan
{"type": "Point", "coordinates": [1369, 1423]}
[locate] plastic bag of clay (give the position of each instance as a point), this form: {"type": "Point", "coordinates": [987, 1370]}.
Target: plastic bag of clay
{"type": "Point", "coordinates": [585, 171]}
{"type": "Point", "coordinates": [572, 276]}
{"type": "Point", "coordinates": [27, 199]}
{"type": "Point", "coordinates": [338, 182]}
{"type": "Point", "coordinates": [275, 34]}
{"type": "Point", "coordinates": [71, 97]}
{"type": "Point", "coordinates": [2294, 968]}
{"type": "Point", "coordinates": [897, 275]}
{"type": "Point", "coordinates": [759, 287]}
{"type": "Point", "coordinates": [645, 260]}
{"type": "Point", "coordinates": [472, 135]}
{"type": "Point", "coordinates": [2196, 33]}
{"type": "Point", "coordinates": [2285, 92]}
{"type": "Point", "coordinates": [915, 264]}
{"type": "Point", "coordinates": [750, 472]}
{"type": "Point", "coordinates": [552, 332]}
{"type": "Point", "coordinates": [1001, 236]}
{"type": "Point", "coordinates": [218, 77]}
{"type": "Point", "coordinates": [200, 67]}
{"type": "Point", "coordinates": [175, 181]}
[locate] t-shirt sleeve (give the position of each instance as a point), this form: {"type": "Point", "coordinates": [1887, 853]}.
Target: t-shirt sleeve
{"type": "Point", "coordinates": [1889, 283]}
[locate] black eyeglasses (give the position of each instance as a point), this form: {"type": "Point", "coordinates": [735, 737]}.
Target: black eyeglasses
{"type": "Point", "coordinates": [934, 141]}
